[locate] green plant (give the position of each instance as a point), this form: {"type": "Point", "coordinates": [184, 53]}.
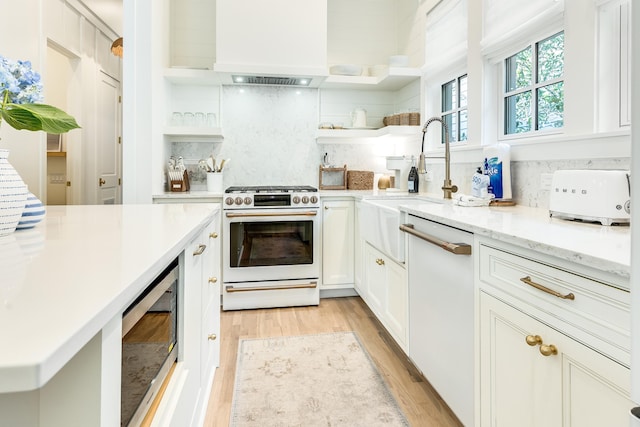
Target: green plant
{"type": "Point", "coordinates": [20, 91]}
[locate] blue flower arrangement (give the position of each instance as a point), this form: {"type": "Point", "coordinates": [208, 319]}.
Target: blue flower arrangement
{"type": "Point", "coordinates": [20, 93]}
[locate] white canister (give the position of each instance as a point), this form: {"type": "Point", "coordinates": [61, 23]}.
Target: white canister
{"type": "Point", "coordinates": [359, 118]}
{"type": "Point", "coordinates": [214, 182]}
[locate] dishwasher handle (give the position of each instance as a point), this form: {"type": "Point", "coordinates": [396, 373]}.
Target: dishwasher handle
{"type": "Point", "coordinates": [454, 248]}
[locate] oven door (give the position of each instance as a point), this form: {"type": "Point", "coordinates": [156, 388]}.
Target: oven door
{"type": "Point", "coordinates": [270, 245]}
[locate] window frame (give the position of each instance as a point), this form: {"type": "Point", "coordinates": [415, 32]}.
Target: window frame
{"type": "Point", "coordinates": [457, 109]}
{"type": "Point", "coordinates": [535, 85]}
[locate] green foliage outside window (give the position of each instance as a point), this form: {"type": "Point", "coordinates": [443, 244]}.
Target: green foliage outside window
{"type": "Point", "coordinates": [534, 89]}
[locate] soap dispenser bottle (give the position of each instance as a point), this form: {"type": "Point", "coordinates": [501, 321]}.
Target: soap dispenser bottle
{"type": "Point", "coordinates": [413, 182]}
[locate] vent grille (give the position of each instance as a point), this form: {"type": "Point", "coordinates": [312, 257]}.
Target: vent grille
{"type": "Point", "coordinates": [272, 81]}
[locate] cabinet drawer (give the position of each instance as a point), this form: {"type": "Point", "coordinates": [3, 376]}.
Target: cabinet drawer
{"type": "Point", "coordinates": [584, 306]}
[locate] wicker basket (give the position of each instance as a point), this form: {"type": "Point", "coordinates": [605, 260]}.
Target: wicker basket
{"type": "Point", "coordinates": [359, 180]}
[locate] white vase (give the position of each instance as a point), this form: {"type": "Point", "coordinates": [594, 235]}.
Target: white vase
{"type": "Point", "coordinates": [13, 195]}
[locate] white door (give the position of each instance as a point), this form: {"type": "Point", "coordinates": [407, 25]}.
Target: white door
{"type": "Point", "coordinates": [109, 149]}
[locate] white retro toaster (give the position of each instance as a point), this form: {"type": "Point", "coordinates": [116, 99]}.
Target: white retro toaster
{"type": "Point", "coordinates": [591, 195]}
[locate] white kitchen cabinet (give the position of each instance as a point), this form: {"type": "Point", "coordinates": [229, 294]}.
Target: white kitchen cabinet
{"type": "Point", "coordinates": [338, 244]}
{"type": "Point", "coordinates": [554, 341]}
{"type": "Point", "coordinates": [569, 385]}
{"type": "Point", "coordinates": [386, 292]}
{"type": "Point", "coordinates": [187, 395]}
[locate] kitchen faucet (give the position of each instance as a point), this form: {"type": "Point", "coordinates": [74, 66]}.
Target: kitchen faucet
{"type": "Point", "coordinates": [447, 187]}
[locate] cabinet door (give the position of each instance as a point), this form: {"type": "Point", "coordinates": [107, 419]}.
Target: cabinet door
{"type": "Point", "coordinates": [337, 243]}
{"type": "Point", "coordinates": [396, 312]}
{"type": "Point", "coordinates": [576, 386]}
{"type": "Point", "coordinates": [210, 337]}
{"type": "Point", "coordinates": [375, 273]}
{"type": "Point", "coordinates": [188, 368]}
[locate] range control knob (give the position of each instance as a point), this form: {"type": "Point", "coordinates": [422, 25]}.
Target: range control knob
{"type": "Point", "coordinates": [305, 199]}
{"type": "Point", "coordinates": [229, 200]}
{"type": "Point", "coordinates": [238, 200]}
{"type": "Point", "coordinates": [314, 199]}
{"type": "Point", "coordinates": [248, 200]}
{"type": "Point", "coordinates": [296, 199]}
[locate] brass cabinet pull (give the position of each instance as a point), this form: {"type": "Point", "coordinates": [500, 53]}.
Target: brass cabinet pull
{"type": "Point", "coordinates": [379, 261]}
{"type": "Point", "coordinates": [454, 248]}
{"type": "Point", "coordinates": [213, 235]}
{"type": "Point", "coordinates": [213, 280]}
{"type": "Point", "coordinates": [548, 350]}
{"type": "Point", "coordinates": [538, 286]}
{"type": "Point", "coordinates": [545, 349]}
{"type": "Point", "coordinates": [533, 340]}
{"type": "Point", "coordinates": [212, 337]}
{"type": "Point", "coordinates": [101, 182]}
{"type": "Point", "coordinates": [200, 250]}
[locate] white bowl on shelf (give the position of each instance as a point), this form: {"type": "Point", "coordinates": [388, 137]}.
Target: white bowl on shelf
{"type": "Point", "coordinates": [346, 70]}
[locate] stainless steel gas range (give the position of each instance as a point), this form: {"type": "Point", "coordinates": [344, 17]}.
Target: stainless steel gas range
{"type": "Point", "coordinates": [271, 243]}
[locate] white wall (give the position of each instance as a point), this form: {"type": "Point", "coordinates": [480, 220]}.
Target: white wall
{"type": "Point", "coordinates": [80, 35]}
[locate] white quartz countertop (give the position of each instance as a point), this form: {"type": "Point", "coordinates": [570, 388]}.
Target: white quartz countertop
{"type": "Point", "coordinates": [62, 281]}
{"type": "Point", "coordinates": [606, 248]}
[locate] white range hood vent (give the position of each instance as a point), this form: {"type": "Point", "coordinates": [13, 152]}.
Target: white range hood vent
{"type": "Point", "coordinates": [271, 80]}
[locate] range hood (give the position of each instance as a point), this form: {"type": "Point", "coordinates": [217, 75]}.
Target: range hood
{"type": "Point", "coordinates": [286, 49]}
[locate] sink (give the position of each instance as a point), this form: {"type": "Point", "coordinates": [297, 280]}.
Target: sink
{"type": "Point", "coordinates": [396, 202]}
{"type": "Point", "coordinates": [380, 221]}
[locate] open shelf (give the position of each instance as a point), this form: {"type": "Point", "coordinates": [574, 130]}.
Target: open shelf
{"type": "Point", "coordinates": [393, 79]}
{"type": "Point", "coordinates": [187, 133]}
{"type": "Point", "coordinates": [354, 136]}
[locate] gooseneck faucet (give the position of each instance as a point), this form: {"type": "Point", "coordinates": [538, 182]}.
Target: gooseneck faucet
{"type": "Point", "coordinates": [447, 187]}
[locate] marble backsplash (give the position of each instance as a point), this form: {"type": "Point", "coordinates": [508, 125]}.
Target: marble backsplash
{"type": "Point", "coordinates": [270, 139]}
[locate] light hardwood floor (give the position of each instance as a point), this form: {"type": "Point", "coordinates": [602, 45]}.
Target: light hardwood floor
{"type": "Point", "coordinates": [418, 400]}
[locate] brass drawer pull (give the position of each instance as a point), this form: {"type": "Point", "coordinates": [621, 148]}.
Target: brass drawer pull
{"type": "Point", "coordinates": [213, 279]}
{"type": "Point", "coordinates": [530, 282]}
{"type": "Point", "coordinates": [200, 250]}
{"type": "Point", "coordinates": [379, 261]}
{"type": "Point", "coordinates": [212, 337]}
{"type": "Point", "coordinates": [213, 235]}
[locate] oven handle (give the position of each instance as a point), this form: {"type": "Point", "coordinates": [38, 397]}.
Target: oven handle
{"type": "Point", "coordinates": [272, 288]}
{"type": "Point", "coordinates": [262, 214]}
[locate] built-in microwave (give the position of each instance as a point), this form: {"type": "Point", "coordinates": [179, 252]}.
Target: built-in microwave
{"type": "Point", "coordinates": [149, 344]}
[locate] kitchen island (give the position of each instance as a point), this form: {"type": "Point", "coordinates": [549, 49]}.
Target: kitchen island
{"type": "Point", "coordinates": [63, 289]}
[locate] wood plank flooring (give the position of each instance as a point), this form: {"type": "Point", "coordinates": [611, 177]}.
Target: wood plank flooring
{"type": "Point", "coordinates": [419, 401]}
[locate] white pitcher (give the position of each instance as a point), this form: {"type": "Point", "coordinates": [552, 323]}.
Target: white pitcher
{"type": "Point", "coordinates": [359, 118]}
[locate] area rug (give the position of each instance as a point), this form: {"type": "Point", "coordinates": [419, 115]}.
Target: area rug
{"type": "Point", "coordinates": [311, 380]}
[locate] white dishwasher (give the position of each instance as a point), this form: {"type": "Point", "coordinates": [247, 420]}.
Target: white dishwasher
{"type": "Point", "coordinates": [441, 310]}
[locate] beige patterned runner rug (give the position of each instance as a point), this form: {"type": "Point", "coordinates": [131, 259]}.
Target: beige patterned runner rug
{"type": "Point", "coordinates": [324, 380]}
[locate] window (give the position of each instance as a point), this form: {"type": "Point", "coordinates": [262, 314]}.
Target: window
{"type": "Point", "coordinates": [534, 87]}
{"type": "Point", "coordinates": [454, 108]}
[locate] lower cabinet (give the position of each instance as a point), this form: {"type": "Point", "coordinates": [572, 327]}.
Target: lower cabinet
{"type": "Point", "coordinates": [186, 398]}
{"type": "Point", "coordinates": [338, 244]}
{"type": "Point", "coordinates": [533, 375]}
{"type": "Point", "coordinates": [385, 292]}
